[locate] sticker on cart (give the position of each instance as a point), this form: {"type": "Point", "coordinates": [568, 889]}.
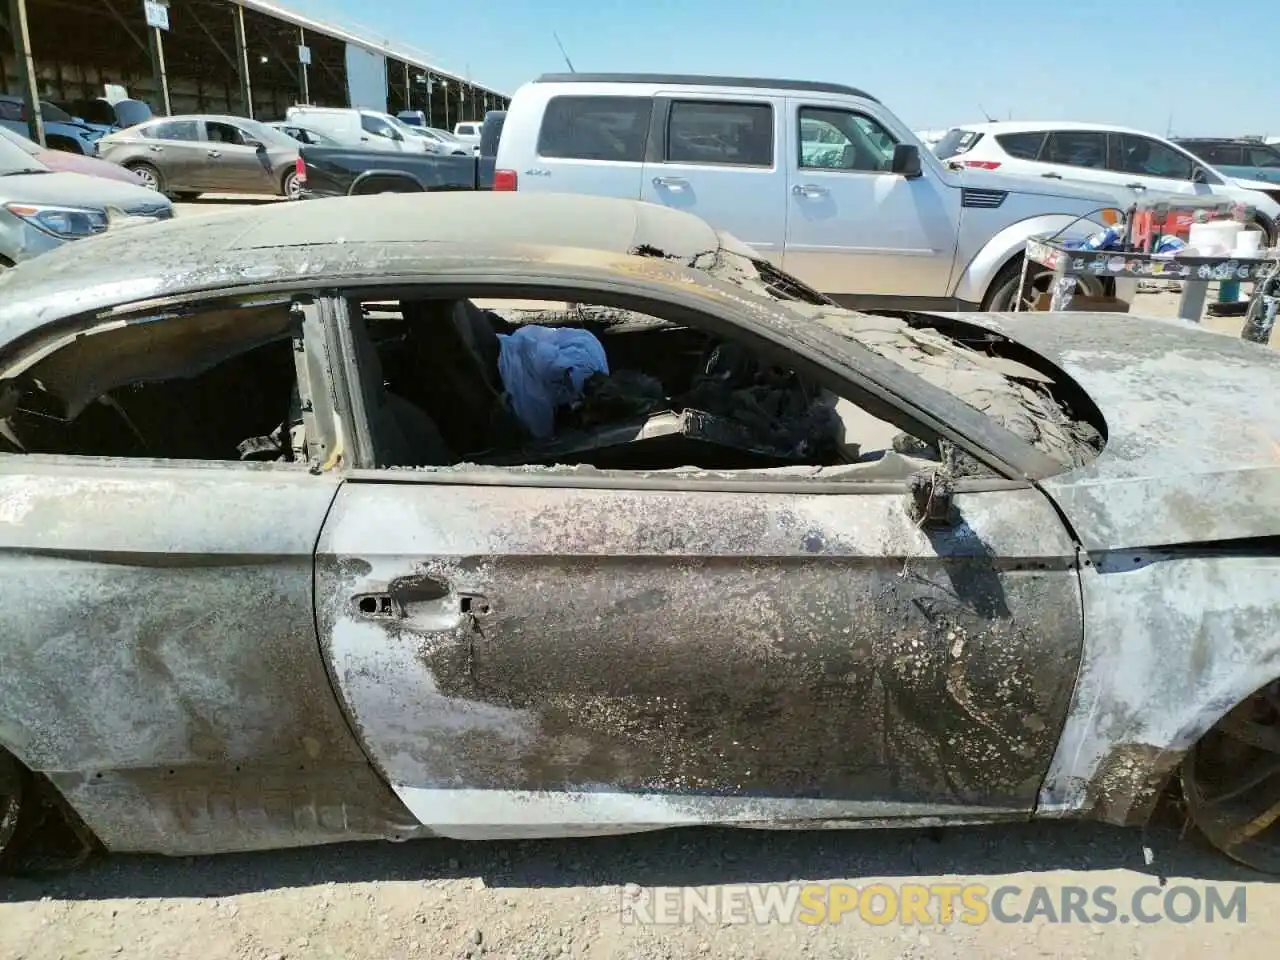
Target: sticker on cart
{"type": "Point", "coordinates": [1115, 264]}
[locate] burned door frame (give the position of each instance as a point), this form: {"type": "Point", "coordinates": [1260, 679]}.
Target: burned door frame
{"type": "Point", "coordinates": [501, 639]}
{"type": "Point", "coordinates": [169, 682]}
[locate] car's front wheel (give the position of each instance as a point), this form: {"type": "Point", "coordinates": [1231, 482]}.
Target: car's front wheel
{"type": "Point", "coordinates": [1009, 287]}
{"type": "Point", "coordinates": [149, 176]}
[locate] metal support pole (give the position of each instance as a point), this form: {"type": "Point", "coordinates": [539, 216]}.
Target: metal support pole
{"type": "Point", "coordinates": [306, 81]}
{"type": "Point", "coordinates": [27, 69]}
{"type": "Point", "coordinates": [158, 70]}
{"type": "Point", "coordinates": [242, 63]}
{"type": "Point", "coordinates": [408, 90]}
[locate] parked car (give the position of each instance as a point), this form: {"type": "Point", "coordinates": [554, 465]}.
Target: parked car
{"type": "Point", "coordinates": [332, 171]}
{"type": "Point", "coordinates": [61, 130]}
{"type": "Point", "coordinates": [1237, 158]}
{"type": "Point", "coordinates": [41, 209]}
{"type": "Point", "coordinates": [1115, 157]}
{"type": "Point", "coordinates": [414, 118]}
{"type": "Point", "coordinates": [955, 578]}
{"type": "Point", "coordinates": [443, 143]}
{"type": "Point", "coordinates": [468, 131]}
{"type": "Point", "coordinates": [821, 178]}
{"type": "Point", "coordinates": [189, 155]}
{"type": "Point", "coordinates": [303, 134]}
{"type": "Point", "coordinates": [359, 128]}
{"type": "Point", "coordinates": [64, 162]}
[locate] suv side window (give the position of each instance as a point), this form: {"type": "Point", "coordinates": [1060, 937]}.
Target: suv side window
{"type": "Point", "coordinates": [595, 128]}
{"type": "Point", "coordinates": [377, 126]}
{"type": "Point", "coordinates": [1263, 157]}
{"type": "Point", "coordinates": [1149, 158]}
{"type": "Point", "coordinates": [1076, 148]}
{"type": "Point", "coordinates": [172, 130]}
{"type": "Point", "coordinates": [1021, 146]}
{"type": "Point", "coordinates": [730, 134]}
{"type": "Point", "coordinates": [1229, 154]}
{"type": "Point", "coordinates": [843, 140]}
{"type": "Point", "coordinates": [10, 110]}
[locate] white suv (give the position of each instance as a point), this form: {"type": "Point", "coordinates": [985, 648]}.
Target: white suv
{"type": "Point", "coordinates": [1115, 157]}
{"type": "Point", "coordinates": [820, 178]}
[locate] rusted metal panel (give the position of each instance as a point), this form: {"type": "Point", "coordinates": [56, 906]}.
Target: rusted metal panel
{"type": "Point", "coordinates": [526, 661]}
{"type": "Point", "coordinates": [160, 640]}
{"type": "Point", "coordinates": [1173, 640]}
{"type": "Point", "coordinates": [1193, 445]}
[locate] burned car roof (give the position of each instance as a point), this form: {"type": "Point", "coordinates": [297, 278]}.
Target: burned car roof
{"type": "Point", "coordinates": [341, 239]}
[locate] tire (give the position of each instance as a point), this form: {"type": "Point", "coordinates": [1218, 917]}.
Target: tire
{"type": "Point", "coordinates": [151, 178]}
{"type": "Point", "coordinates": [1002, 294]}
{"type": "Point", "coordinates": [186, 197]}
{"type": "Point", "coordinates": [290, 186]}
{"type": "Point", "coordinates": [63, 145]}
{"type": "Point", "coordinates": [14, 791]}
{"type": "Point", "coordinates": [1231, 803]}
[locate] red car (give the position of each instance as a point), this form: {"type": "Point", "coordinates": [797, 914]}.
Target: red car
{"type": "Point", "coordinates": [64, 162]}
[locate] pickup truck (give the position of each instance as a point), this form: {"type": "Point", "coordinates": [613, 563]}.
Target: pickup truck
{"type": "Point", "coordinates": [820, 178]}
{"type": "Point", "coordinates": [339, 171]}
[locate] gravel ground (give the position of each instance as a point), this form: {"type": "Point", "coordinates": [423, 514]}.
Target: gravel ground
{"type": "Point", "coordinates": [549, 899]}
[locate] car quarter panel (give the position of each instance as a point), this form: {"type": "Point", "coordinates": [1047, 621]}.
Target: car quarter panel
{"type": "Point", "coordinates": [1173, 640]}
{"type": "Point", "coordinates": [1193, 447]}
{"type": "Point", "coordinates": [160, 662]}
{"type": "Point", "coordinates": [549, 661]}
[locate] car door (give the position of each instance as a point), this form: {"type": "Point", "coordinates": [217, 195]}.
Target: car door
{"type": "Point", "coordinates": [589, 144]}
{"type": "Point", "coordinates": [1076, 155]}
{"type": "Point", "coordinates": [174, 147]}
{"type": "Point", "coordinates": [378, 134]}
{"type": "Point", "coordinates": [1146, 164]}
{"type": "Point", "coordinates": [528, 654]}
{"type": "Point", "coordinates": [720, 158]}
{"type": "Point", "coordinates": [232, 165]}
{"type": "Point", "coordinates": [855, 229]}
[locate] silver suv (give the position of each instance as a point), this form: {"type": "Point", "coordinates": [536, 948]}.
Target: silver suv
{"type": "Point", "coordinates": [821, 178]}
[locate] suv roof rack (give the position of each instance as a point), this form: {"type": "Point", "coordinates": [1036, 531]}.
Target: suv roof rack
{"type": "Point", "coordinates": [693, 79]}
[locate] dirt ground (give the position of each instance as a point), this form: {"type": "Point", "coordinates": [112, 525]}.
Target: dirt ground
{"type": "Point", "coordinates": [551, 899]}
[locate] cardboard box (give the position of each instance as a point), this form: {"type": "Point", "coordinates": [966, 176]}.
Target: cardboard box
{"type": "Point", "coordinates": [1083, 304]}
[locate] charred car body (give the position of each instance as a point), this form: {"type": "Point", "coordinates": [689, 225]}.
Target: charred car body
{"type": "Point", "coordinates": [778, 564]}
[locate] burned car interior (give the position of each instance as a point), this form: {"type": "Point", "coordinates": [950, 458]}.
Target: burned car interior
{"type": "Point", "coordinates": [216, 385]}
{"type": "Point", "coordinates": [447, 382]}
{"type": "Point", "coordinates": [443, 381]}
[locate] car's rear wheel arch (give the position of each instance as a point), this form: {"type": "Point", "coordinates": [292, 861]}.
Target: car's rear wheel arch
{"type": "Point", "coordinates": [377, 182]}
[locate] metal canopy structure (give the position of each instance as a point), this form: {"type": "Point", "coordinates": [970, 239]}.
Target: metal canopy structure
{"type": "Point", "coordinates": [245, 57]}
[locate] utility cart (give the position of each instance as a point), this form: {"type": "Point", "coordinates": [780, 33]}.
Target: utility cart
{"type": "Point", "coordinates": [1195, 273]}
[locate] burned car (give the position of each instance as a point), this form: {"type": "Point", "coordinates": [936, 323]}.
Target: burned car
{"type": "Point", "coordinates": [492, 516]}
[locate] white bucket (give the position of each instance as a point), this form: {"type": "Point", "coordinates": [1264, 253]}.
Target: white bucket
{"type": "Point", "coordinates": [1217, 238]}
{"type": "Point", "coordinates": [1248, 244]}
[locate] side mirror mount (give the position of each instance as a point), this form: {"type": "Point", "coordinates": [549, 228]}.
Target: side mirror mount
{"type": "Point", "coordinates": [256, 144]}
{"type": "Point", "coordinates": [906, 161]}
{"type": "Point", "coordinates": [1198, 175]}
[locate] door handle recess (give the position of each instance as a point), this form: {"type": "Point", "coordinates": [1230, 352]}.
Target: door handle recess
{"type": "Point", "coordinates": [670, 183]}
{"type": "Point", "coordinates": [809, 190]}
{"type": "Point", "coordinates": [214, 153]}
{"type": "Point", "coordinates": [1052, 176]}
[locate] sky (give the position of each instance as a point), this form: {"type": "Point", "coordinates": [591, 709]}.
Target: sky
{"type": "Point", "coordinates": [1163, 66]}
